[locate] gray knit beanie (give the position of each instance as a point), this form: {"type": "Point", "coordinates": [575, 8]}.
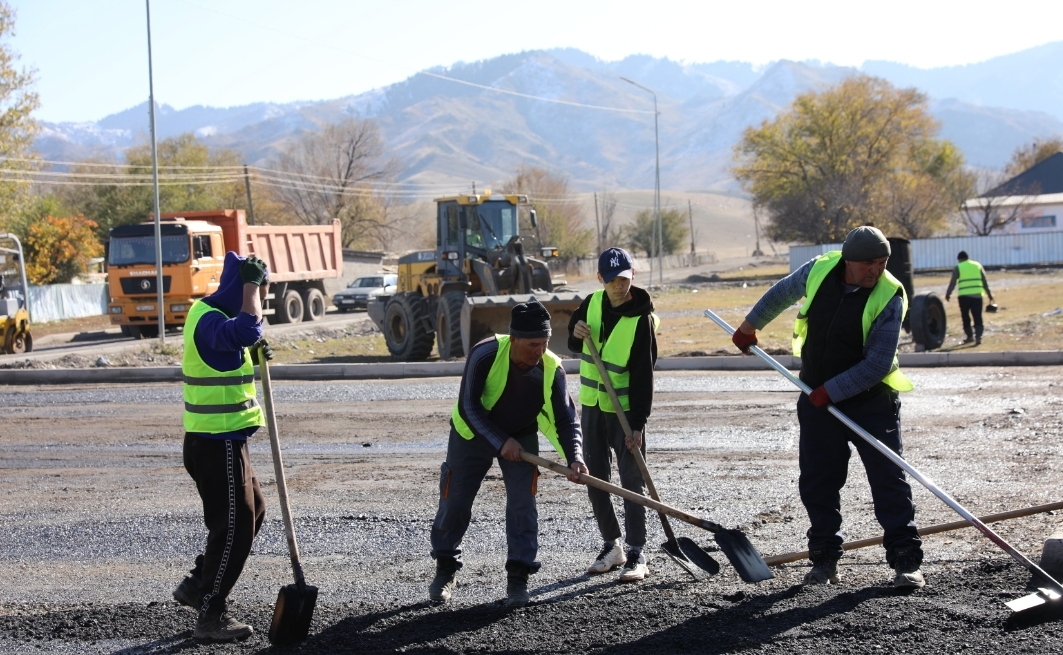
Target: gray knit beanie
{"type": "Point", "coordinates": [864, 244]}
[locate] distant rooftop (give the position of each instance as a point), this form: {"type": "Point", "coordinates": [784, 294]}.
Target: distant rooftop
{"type": "Point", "coordinates": [1041, 179]}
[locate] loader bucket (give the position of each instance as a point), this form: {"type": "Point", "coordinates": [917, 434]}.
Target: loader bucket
{"type": "Point", "coordinates": [483, 316]}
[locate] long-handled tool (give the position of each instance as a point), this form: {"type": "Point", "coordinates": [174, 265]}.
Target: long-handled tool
{"type": "Point", "coordinates": [295, 602]}
{"type": "Point", "coordinates": [1050, 589]}
{"type": "Point", "coordinates": [690, 557]}
{"type": "Point", "coordinates": [785, 558]}
{"type": "Point", "coordinates": [734, 544]}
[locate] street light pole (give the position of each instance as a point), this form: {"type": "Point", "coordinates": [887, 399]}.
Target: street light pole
{"type": "Point", "coordinates": [658, 227]}
{"type": "Point", "coordinates": [155, 184]}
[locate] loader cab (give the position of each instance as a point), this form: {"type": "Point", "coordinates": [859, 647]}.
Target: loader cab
{"type": "Point", "coordinates": [472, 226]}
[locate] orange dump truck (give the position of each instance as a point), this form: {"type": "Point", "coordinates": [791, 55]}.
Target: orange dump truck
{"type": "Point", "coordinates": [300, 259]}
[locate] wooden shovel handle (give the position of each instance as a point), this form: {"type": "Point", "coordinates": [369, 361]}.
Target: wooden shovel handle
{"type": "Point", "coordinates": [278, 468]}
{"type": "Point", "coordinates": [622, 417]}
{"type": "Point", "coordinates": [639, 499]}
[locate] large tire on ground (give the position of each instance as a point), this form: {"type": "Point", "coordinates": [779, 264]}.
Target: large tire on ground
{"type": "Point", "coordinates": [404, 331]}
{"type": "Point", "coordinates": [290, 309]}
{"type": "Point", "coordinates": [927, 318]}
{"type": "Point", "coordinates": [448, 325]}
{"type": "Point", "coordinates": [127, 331]}
{"type": "Point", "coordinates": [314, 302]}
{"type": "Point", "coordinates": [149, 332]}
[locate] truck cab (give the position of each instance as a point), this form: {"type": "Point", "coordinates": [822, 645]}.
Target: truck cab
{"type": "Point", "coordinates": [193, 253]}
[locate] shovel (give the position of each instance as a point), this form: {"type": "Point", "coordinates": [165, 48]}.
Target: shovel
{"type": "Point", "coordinates": [1048, 589]}
{"type": "Point", "coordinates": [734, 544]}
{"type": "Point", "coordinates": [691, 557]}
{"type": "Point", "coordinates": [295, 602]}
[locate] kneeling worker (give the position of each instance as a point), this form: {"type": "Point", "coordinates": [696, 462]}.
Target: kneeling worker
{"type": "Point", "coordinates": [512, 388]}
{"type": "Point", "coordinates": [846, 335]}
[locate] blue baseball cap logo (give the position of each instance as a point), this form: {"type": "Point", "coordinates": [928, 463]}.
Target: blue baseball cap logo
{"type": "Point", "coordinates": [615, 262]}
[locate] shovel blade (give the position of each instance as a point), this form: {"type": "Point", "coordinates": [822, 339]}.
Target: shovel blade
{"type": "Point", "coordinates": [743, 556]}
{"type": "Point", "coordinates": [291, 617]}
{"type": "Point", "coordinates": [1040, 597]}
{"type": "Point", "coordinates": [697, 555]}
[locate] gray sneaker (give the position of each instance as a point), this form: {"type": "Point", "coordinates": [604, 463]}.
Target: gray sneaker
{"type": "Point", "coordinates": [824, 569]}
{"type": "Point", "coordinates": [442, 585]}
{"type": "Point", "coordinates": [221, 627]}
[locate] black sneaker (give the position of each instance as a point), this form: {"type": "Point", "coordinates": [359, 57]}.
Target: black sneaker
{"type": "Point", "coordinates": [517, 594]}
{"type": "Point", "coordinates": [635, 569]}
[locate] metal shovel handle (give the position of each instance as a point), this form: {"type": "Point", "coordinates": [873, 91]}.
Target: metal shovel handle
{"type": "Point", "coordinates": [899, 461]}
{"type": "Point", "coordinates": [278, 469]}
{"type": "Point", "coordinates": [622, 417]}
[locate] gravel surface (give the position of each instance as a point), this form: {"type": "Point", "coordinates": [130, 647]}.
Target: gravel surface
{"type": "Point", "coordinates": [101, 522]}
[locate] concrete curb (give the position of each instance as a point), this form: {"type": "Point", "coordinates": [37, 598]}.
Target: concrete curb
{"type": "Point", "coordinates": [413, 370]}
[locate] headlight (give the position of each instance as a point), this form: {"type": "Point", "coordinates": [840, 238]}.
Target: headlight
{"type": "Point", "coordinates": [117, 309]}
{"type": "Point", "coordinates": [178, 309]}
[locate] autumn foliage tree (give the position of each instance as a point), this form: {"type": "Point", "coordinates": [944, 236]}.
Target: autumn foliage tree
{"type": "Point", "coordinates": [640, 236]}
{"type": "Point", "coordinates": [559, 216]}
{"type": "Point", "coordinates": [17, 126]}
{"type": "Point", "coordinates": [862, 152]}
{"type": "Point", "coordinates": [59, 249]}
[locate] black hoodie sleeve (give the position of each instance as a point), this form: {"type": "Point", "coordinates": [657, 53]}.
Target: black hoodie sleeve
{"type": "Point", "coordinates": [575, 346]}
{"type": "Point", "coordinates": [643, 358]}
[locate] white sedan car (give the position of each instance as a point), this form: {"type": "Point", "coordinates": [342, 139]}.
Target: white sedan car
{"type": "Point", "coordinates": [358, 294]}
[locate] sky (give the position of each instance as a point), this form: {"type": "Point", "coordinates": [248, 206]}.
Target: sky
{"type": "Point", "coordinates": [90, 56]}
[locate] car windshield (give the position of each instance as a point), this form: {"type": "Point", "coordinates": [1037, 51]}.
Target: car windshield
{"type": "Point", "coordinates": [367, 282]}
{"type": "Point", "coordinates": [125, 251]}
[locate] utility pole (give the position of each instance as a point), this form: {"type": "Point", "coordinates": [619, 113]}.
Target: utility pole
{"type": "Point", "coordinates": [159, 300]}
{"type": "Point", "coordinates": [690, 215]}
{"type": "Point", "coordinates": [658, 226]}
{"type": "Point", "coordinates": [597, 224]}
{"type": "Point", "coordinates": [250, 207]}
{"type": "Point", "coordinates": [757, 252]}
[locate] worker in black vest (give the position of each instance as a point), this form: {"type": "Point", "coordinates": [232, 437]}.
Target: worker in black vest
{"type": "Point", "coordinates": [970, 276]}
{"type": "Point", "coordinates": [846, 335]}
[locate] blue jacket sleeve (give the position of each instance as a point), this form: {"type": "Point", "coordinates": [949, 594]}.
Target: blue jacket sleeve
{"type": "Point", "coordinates": [569, 434]}
{"type": "Point", "coordinates": [221, 340]}
{"type": "Point", "coordinates": [780, 296]}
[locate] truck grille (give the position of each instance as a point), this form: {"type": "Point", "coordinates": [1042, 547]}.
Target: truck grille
{"type": "Point", "coordinates": [142, 286]}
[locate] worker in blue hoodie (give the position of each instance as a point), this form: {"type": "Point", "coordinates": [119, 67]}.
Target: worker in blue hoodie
{"type": "Point", "coordinates": [221, 412]}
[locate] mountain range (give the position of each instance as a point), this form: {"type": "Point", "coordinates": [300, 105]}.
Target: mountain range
{"type": "Point", "coordinates": [445, 132]}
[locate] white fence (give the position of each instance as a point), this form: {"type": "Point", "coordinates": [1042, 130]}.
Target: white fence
{"type": "Point", "coordinates": [993, 250]}
{"type": "Point", "coordinates": [53, 302]}
{"type": "Point", "coordinates": [589, 267]}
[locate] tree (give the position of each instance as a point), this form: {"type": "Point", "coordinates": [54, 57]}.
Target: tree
{"type": "Point", "coordinates": [560, 218]}
{"type": "Point", "coordinates": [984, 214]}
{"type": "Point", "coordinates": [192, 178]}
{"type": "Point", "coordinates": [331, 174]}
{"type": "Point", "coordinates": [610, 232]}
{"type": "Point", "coordinates": [1030, 154]}
{"type": "Point", "coordinates": [850, 155]}
{"type": "Point", "coordinates": [639, 236]}
{"type": "Point", "coordinates": [59, 249]}
{"type": "Point", "coordinates": [17, 126]}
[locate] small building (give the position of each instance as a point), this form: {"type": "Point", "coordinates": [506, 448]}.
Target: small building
{"type": "Point", "coordinates": [1033, 198]}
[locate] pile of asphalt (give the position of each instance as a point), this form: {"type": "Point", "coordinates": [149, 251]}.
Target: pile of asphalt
{"type": "Point", "coordinates": [961, 611]}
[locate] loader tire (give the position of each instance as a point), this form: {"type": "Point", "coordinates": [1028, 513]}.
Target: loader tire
{"type": "Point", "coordinates": [404, 332]}
{"type": "Point", "coordinates": [448, 325]}
{"type": "Point", "coordinates": [926, 316]}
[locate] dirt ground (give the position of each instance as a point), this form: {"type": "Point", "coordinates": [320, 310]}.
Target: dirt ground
{"type": "Point", "coordinates": [101, 522]}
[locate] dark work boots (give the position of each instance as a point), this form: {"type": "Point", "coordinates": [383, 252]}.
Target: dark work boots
{"type": "Point", "coordinates": [906, 563]}
{"type": "Point", "coordinates": [517, 584]}
{"type": "Point", "coordinates": [824, 568]}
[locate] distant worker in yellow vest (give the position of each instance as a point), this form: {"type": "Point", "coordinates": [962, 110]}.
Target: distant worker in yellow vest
{"type": "Point", "coordinates": [621, 320]}
{"type": "Point", "coordinates": [846, 335]}
{"type": "Point", "coordinates": [512, 389]}
{"type": "Point", "coordinates": [970, 276]}
{"type": "Point", "coordinates": [221, 412]}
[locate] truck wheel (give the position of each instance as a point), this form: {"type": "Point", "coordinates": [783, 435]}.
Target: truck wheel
{"type": "Point", "coordinates": [149, 332]}
{"type": "Point", "coordinates": [927, 319]}
{"type": "Point", "coordinates": [291, 307]}
{"type": "Point", "coordinates": [314, 301]}
{"type": "Point", "coordinates": [404, 331]}
{"type": "Point", "coordinates": [448, 325]}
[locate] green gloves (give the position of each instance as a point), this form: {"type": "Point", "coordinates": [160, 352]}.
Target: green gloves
{"type": "Point", "coordinates": [254, 271]}
{"type": "Point", "coordinates": [261, 349]}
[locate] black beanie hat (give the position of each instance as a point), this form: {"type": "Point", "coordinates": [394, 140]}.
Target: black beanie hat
{"type": "Point", "coordinates": [864, 244]}
{"type": "Point", "coordinates": [529, 320]}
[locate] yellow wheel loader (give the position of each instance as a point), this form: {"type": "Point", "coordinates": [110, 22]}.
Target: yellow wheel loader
{"type": "Point", "coordinates": [15, 337]}
{"type": "Point", "coordinates": [463, 291]}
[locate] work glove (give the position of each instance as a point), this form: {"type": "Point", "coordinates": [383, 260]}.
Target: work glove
{"type": "Point", "coordinates": [819, 397]}
{"type": "Point", "coordinates": [254, 271]}
{"type": "Point", "coordinates": [743, 340]}
{"type": "Point", "coordinates": [261, 349]}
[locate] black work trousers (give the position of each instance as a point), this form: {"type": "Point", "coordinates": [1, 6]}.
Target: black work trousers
{"type": "Point", "coordinates": [971, 308]}
{"type": "Point", "coordinates": [824, 461]}
{"type": "Point", "coordinates": [233, 511]}
{"type": "Point", "coordinates": [602, 438]}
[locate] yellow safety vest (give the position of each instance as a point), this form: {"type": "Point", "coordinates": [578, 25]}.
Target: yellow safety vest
{"type": "Point", "coordinates": [216, 401]}
{"type": "Point", "coordinates": [615, 354]}
{"type": "Point", "coordinates": [880, 297]}
{"type": "Point", "coordinates": [496, 384]}
{"type": "Point", "coordinates": [969, 280]}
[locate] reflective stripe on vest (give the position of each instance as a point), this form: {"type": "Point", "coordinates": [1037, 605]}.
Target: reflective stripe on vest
{"type": "Point", "coordinates": [216, 401]}
{"type": "Point", "coordinates": [496, 384]}
{"type": "Point", "coordinates": [969, 280]}
{"type": "Point", "coordinates": [880, 297]}
{"type": "Point", "coordinates": [615, 354]}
